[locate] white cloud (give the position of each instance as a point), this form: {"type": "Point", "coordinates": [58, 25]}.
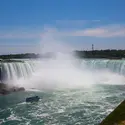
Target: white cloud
{"type": "Point", "coordinates": [50, 34]}
{"type": "Point", "coordinates": [102, 31]}
{"type": "Point", "coordinates": [108, 31]}
{"type": "Point", "coordinates": [105, 31]}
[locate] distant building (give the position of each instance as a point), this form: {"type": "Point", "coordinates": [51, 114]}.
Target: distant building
{"type": "Point", "coordinates": [92, 47]}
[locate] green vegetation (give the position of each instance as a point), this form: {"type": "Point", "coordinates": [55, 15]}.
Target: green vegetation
{"type": "Point", "coordinates": [117, 117]}
{"type": "Point", "coordinates": [19, 56]}
{"type": "Point", "coordinates": [26, 56]}
{"type": "Point", "coordinates": [110, 54]}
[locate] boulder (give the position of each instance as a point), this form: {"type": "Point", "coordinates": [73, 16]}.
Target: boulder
{"type": "Point", "coordinates": [4, 89]}
{"type": "Point", "coordinates": [21, 89]}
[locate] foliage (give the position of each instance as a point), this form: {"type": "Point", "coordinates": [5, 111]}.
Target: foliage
{"type": "Point", "coordinates": [111, 54]}
{"type": "Point", "coordinates": [117, 117]}
{"type": "Point", "coordinates": [19, 56]}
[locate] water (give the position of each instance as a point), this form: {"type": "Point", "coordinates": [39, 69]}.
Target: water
{"type": "Point", "coordinates": [23, 70]}
{"type": "Point", "coordinates": [117, 66]}
{"type": "Point", "coordinates": [87, 106]}
{"type": "Point", "coordinates": [16, 70]}
{"type": "Point", "coordinates": [73, 92]}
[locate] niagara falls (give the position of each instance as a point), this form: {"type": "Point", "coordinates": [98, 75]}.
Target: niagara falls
{"type": "Point", "coordinates": [62, 62]}
{"type": "Point", "coordinates": [72, 89]}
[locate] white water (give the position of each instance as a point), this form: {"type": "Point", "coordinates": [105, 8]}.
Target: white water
{"type": "Point", "coordinates": [64, 70]}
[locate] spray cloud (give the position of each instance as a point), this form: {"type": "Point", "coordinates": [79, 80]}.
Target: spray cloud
{"type": "Point", "coordinates": [63, 70]}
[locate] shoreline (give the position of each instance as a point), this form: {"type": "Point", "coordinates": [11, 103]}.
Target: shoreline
{"type": "Point", "coordinates": [116, 117]}
{"type": "Point", "coordinates": [22, 61]}
{"type": "Point", "coordinates": [89, 54]}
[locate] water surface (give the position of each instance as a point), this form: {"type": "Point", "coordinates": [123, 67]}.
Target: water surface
{"type": "Point", "coordinates": [85, 106]}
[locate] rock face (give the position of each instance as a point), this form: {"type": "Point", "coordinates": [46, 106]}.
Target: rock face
{"type": "Point", "coordinates": [117, 117]}
{"type": "Point", "coordinates": [4, 89]}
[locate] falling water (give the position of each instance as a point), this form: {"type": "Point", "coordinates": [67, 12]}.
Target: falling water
{"type": "Point", "coordinates": [66, 71]}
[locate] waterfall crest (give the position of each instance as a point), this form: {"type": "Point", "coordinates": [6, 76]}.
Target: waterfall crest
{"type": "Point", "coordinates": [117, 66]}
{"type": "Point", "coordinates": [16, 70]}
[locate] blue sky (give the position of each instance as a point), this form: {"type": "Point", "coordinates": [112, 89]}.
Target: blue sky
{"type": "Point", "coordinates": [78, 23]}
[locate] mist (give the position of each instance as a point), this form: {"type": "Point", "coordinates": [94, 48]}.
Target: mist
{"type": "Point", "coordinates": [63, 70]}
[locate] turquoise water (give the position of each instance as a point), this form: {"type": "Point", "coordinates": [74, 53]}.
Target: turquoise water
{"type": "Point", "coordinates": [85, 106]}
{"type": "Point", "coordinates": [81, 92]}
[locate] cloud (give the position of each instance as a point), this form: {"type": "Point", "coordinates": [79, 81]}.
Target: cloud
{"type": "Point", "coordinates": [105, 31]}
{"type": "Point", "coordinates": [108, 31]}
{"type": "Point", "coordinates": [17, 39]}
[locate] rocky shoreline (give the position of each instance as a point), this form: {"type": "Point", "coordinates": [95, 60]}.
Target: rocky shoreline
{"type": "Point", "coordinates": [4, 89]}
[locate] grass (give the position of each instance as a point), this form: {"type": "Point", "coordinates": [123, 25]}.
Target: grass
{"type": "Point", "coordinates": [117, 117]}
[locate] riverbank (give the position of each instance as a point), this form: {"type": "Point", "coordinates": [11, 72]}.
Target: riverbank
{"type": "Point", "coordinates": [117, 117]}
{"type": "Point", "coordinates": [105, 54]}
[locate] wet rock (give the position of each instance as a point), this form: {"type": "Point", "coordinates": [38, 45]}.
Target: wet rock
{"type": "Point", "coordinates": [16, 89]}
{"type": "Point", "coordinates": [4, 89]}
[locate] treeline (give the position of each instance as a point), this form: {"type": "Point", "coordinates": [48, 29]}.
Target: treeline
{"type": "Point", "coordinates": [19, 56]}
{"type": "Point", "coordinates": [26, 56]}
{"type": "Point", "coordinates": [110, 54]}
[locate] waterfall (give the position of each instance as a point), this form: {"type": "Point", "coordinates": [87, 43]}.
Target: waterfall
{"type": "Point", "coordinates": [117, 66]}
{"type": "Point", "coordinates": [16, 70]}
{"type": "Point", "coordinates": [25, 69]}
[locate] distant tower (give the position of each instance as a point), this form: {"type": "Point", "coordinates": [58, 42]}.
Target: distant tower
{"type": "Point", "coordinates": [92, 47]}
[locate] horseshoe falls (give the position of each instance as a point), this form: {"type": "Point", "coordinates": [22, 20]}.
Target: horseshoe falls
{"type": "Point", "coordinates": [117, 66]}
{"type": "Point", "coordinates": [29, 68]}
{"type": "Point", "coordinates": [72, 91]}
{"type": "Point", "coordinates": [17, 70]}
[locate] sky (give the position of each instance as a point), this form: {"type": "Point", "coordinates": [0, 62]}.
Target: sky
{"type": "Point", "coordinates": [79, 23]}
